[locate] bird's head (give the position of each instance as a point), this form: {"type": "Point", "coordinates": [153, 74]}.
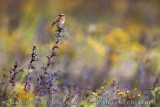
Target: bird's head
{"type": "Point", "coordinates": [61, 15]}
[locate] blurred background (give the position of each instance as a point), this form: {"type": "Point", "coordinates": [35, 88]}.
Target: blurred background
{"type": "Point", "coordinates": [103, 39]}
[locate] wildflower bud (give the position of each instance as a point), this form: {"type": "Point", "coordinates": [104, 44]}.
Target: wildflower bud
{"type": "Point", "coordinates": [57, 40]}
{"type": "Point", "coordinates": [121, 93]}
{"type": "Point", "coordinates": [96, 95]}
{"type": "Point", "coordinates": [55, 46]}
{"type": "Point", "coordinates": [93, 93]}
{"type": "Point", "coordinates": [139, 95]}
{"type": "Point", "coordinates": [53, 53]}
{"type": "Point", "coordinates": [102, 87]}
{"type": "Point", "coordinates": [118, 90]}
{"type": "Point", "coordinates": [135, 89]}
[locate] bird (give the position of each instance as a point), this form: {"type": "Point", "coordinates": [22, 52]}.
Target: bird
{"type": "Point", "coordinates": [59, 21]}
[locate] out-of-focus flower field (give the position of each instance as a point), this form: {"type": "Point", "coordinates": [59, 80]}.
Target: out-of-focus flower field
{"type": "Point", "coordinates": [110, 47]}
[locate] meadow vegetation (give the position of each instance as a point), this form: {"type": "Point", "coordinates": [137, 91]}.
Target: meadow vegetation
{"type": "Point", "coordinates": [106, 52]}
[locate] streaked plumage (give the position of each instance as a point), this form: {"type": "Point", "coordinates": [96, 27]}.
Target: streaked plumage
{"type": "Point", "coordinates": [59, 20]}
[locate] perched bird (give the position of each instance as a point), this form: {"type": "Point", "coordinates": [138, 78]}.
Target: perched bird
{"type": "Point", "coordinates": [59, 20]}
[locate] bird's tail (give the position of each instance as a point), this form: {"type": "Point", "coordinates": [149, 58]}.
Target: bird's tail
{"type": "Point", "coordinates": [51, 27]}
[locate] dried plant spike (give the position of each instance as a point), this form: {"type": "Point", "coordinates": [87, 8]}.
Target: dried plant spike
{"type": "Point", "coordinates": [13, 74]}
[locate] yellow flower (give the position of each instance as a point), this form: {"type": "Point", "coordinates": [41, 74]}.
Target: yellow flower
{"type": "Point", "coordinates": [124, 95]}
{"type": "Point", "coordinates": [135, 89]}
{"type": "Point", "coordinates": [116, 37]}
{"type": "Point", "coordinates": [113, 57]}
{"type": "Point", "coordinates": [102, 87]}
{"type": "Point", "coordinates": [127, 91]}
{"type": "Point", "coordinates": [133, 97]}
{"type": "Point", "coordinates": [96, 94]}
{"type": "Point", "coordinates": [121, 93]}
{"type": "Point", "coordinates": [136, 47]}
{"type": "Point", "coordinates": [93, 93]}
{"type": "Point", "coordinates": [23, 95]}
{"type": "Point", "coordinates": [97, 46]}
{"type": "Point", "coordinates": [118, 90]}
{"type": "Point", "coordinates": [139, 95]}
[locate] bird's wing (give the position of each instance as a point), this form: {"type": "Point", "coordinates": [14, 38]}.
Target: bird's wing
{"type": "Point", "coordinates": [55, 21]}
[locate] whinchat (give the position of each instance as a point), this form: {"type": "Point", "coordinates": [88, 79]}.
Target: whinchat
{"type": "Point", "coordinates": [59, 20]}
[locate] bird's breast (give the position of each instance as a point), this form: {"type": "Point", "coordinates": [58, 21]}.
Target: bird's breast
{"type": "Point", "coordinates": [62, 21]}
